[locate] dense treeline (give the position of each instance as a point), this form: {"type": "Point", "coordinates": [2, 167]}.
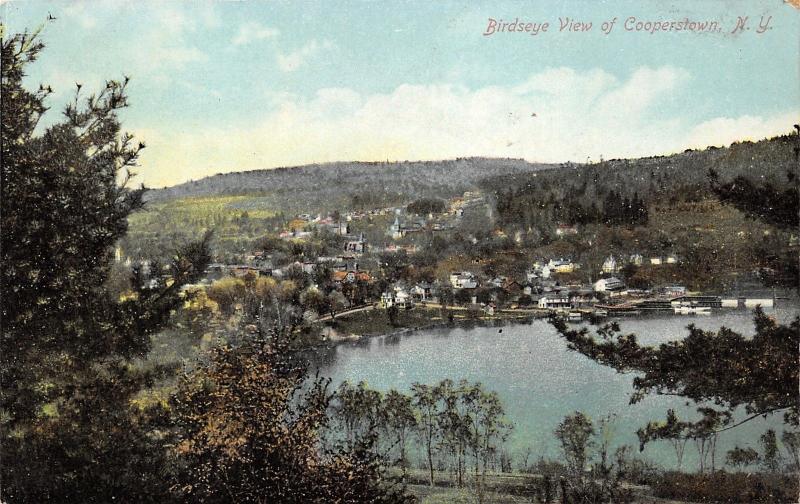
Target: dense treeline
{"type": "Point", "coordinates": [425, 206]}
{"type": "Point", "coordinates": [581, 194]}
{"type": "Point", "coordinates": [68, 342]}
{"type": "Point", "coordinates": [573, 208]}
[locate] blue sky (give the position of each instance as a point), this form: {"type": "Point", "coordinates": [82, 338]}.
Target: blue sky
{"type": "Point", "coordinates": [228, 86]}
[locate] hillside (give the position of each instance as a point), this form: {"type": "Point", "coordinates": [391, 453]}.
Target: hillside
{"type": "Point", "coordinates": [576, 193]}
{"type": "Point", "coordinates": [341, 185]}
{"type": "Point", "coordinates": [337, 185]}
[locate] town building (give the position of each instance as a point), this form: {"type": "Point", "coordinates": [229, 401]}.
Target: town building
{"type": "Point", "coordinates": [463, 280]}
{"type": "Point", "coordinates": [608, 285]}
{"type": "Point", "coordinates": [554, 301]}
{"type": "Point", "coordinates": [358, 246]}
{"type": "Point", "coordinates": [610, 265]}
{"type": "Point", "coordinates": [560, 266]}
{"type": "Point", "coordinates": [396, 297]}
{"type": "Point", "coordinates": [422, 292]}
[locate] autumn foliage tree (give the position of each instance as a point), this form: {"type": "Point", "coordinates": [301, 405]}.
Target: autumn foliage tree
{"type": "Point", "coordinates": [248, 430]}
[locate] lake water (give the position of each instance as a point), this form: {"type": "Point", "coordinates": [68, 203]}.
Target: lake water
{"type": "Point", "coordinates": [538, 379]}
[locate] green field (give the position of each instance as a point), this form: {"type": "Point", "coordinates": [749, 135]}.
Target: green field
{"type": "Point", "coordinates": [236, 222]}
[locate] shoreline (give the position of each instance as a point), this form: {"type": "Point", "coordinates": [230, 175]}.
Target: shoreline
{"type": "Point", "coordinates": [435, 323]}
{"type": "Point", "coordinates": [502, 318]}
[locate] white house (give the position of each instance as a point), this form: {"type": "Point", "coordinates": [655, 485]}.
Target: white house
{"type": "Point", "coordinates": [561, 266]}
{"type": "Point", "coordinates": [387, 299]}
{"type": "Point", "coordinates": [554, 301]}
{"type": "Point", "coordinates": [396, 297]}
{"type": "Point", "coordinates": [396, 230]}
{"type": "Point", "coordinates": [498, 282]}
{"type": "Point", "coordinates": [610, 265]}
{"type": "Point", "coordinates": [463, 280]}
{"type": "Point", "coordinates": [636, 259]}
{"type": "Point", "coordinates": [608, 284]}
{"type": "Point", "coordinates": [422, 291]}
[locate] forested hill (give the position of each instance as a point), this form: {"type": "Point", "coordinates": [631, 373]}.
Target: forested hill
{"type": "Point", "coordinates": [518, 185]}
{"type": "Point", "coordinates": [580, 194]}
{"type": "Point", "coordinates": [369, 183]}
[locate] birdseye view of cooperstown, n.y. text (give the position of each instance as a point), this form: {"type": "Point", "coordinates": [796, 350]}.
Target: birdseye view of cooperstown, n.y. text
{"type": "Point", "coordinates": [374, 251]}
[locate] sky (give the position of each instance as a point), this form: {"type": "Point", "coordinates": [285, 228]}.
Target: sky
{"type": "Point", "coordinates": [231, 86]}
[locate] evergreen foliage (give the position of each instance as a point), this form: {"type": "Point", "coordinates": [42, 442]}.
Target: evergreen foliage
{"type": "Point", "coordinates": [69, 430]}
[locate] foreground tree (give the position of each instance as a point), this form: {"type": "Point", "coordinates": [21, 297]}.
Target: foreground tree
{"type": "Point", "coordinates": [791, 443]}
{"type": "Point", "coordinates": [248, 429]}
{"type": "Point", "coordinates": [759, 374]}
{"type": "Point", "coordinates": [771, 457]}
{"type": "Point", "coordinates": [358, 410]}
{"type": "Point", "coordinates": [576, 435]}
{"type": "Point", "coordinates": [672, 430]}
{"type": "Point", "coordinates": [398, 422]}
{"type": "Point", "coordinates": [486, 428]}
{"type": "Point", "coordinates": [428, 434]}
{"type": "Point", "coordinates": [69, 432]}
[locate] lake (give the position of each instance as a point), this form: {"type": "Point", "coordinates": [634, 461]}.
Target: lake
{"type": "Point", "coordinates": [539, 380]}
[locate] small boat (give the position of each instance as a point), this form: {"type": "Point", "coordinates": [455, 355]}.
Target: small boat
{"type": "Point", "coordinates": [693, 310]}
{"type": "Point", "coordinates": [575, 316]}
{"type": "Point", "coordinates": [601, 313]}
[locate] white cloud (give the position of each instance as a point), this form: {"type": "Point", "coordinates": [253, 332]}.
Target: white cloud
{"type": "Point", "coordinates": [556, 115]}
{"type": "Point", "coordinates": [252, 31]}
{"type": "Point", "coordinates": [725, 130]}
{"type": "Point", "coordinates": [295, 59]}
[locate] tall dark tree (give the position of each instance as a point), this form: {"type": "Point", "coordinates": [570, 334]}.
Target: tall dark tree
{"type": "Point", "coordinates": [69, 432]}
{"type": "Point", "coordinates": [778, 206]}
